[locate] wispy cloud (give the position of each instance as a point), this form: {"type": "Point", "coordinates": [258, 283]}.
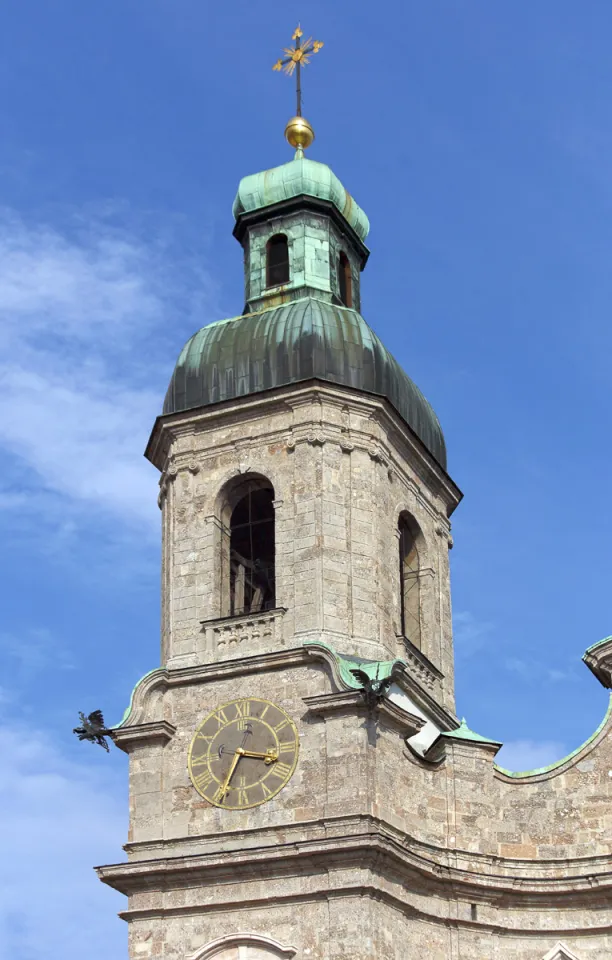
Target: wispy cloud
{"type": "Point", "coordinates": [29, 653]}
{"type": "Point", "coordinates": [470, 633]}
{"type": "Point", "coordinates": [523, 755]}
{"type": "Point", "coordinates": [85, 336]}
{"type": "Point", "coordinates": [533, 671]}
{"type": "Point", "coordinates": [57, 818]}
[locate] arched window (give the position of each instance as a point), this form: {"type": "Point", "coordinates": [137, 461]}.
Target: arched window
{"type": "Point", "coordinates": [250, 946]}
{"type": "Point", "coordinates": [345, 280]}
{"type": "Point", "coordinates": [410, 589]}
{"type": "Point", "coordinates": [251, 550]}
{"type": "Point", "coordinates": [277, 260]}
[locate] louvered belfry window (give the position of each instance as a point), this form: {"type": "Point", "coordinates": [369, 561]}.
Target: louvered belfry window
{"type": "Point", "coordinates": [345, 280]}
{"type": "Point", "coordinates": [252, 575]}
{"type": "Point", "coordinates": [410, 598]}
{"type": "Point", "coordinates": [277, 260]}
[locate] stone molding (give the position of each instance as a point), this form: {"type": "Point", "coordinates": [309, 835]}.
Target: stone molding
{"type": "Point", "coordinates": [164, 678]}
{"type": "Point", "coordinates": [169, 427]}
{"type": "Point", "coordinates": [352, 701]}
{"type": "Point", "coordinates": [468, 866]}
{"type": "Point", "coordinates": [127, 738]}
{"type": "Point", "coordinates": [599, 661]}
{"type": "Point", "coordinates": [444, 745]}
{"type": "Point", "coordinates": [420, 665]}
{"type": "Point", "coordinates": [560, 952]}
{"type": "Point", "coordinates": [215, 947]}
{"type": "Point", "coordinates": [402, 677]}
{"type": "Point", "coordinates": [227, 636]}
{"type": "Point", "coordinates": [369, 860]}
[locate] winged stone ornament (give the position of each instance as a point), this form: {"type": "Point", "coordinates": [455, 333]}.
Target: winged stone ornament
{"type": "Point", "coordinates": [374, 691]}
{"type": "Point", "coordinates": [93, 729]}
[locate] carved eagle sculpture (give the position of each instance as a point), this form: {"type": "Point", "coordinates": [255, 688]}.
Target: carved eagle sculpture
{"type": "Point", "coordinates": [374, 690]}
{"type": "Point", "coordinates": [93, 729]}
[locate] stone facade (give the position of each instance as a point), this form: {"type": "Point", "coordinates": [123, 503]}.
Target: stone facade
{"type": "Point", "coordinates": [371, 850]}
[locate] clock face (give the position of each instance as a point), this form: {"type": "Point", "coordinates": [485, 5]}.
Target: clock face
{"type": "Point", "coordinates": [243, 753]}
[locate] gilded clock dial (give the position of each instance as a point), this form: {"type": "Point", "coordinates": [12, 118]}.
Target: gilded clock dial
{"type": "Point", "coordinates": [243, 753]}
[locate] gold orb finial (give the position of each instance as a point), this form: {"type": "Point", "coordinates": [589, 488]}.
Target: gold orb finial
{"type": "Point", "coordinates": [299, 133]}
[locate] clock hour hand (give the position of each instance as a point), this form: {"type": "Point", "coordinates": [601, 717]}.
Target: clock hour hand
{"type": "Point", "coordinates": [269, 756]}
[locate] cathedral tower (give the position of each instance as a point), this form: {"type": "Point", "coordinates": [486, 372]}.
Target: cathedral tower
{"type": "Point", "coordinates": [299, 783]}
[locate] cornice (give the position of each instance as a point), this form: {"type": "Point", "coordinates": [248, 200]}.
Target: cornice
{"type": "Point", "coordinates": [164, 678]}
{"type": "Point", "coordinates": [159, 732]}
{"type": "Point", "coordinates": [512, 872]}
{"type": "Point", "coordinates": [296, 205]}
{"type": "Point", "coordinates": [352, 701]}
{"type": "Point", "coordinates": [372, 891]}
{"type": "Point", "coordinates": [169, 427]}
{"type": "Point", "coordinates": [368, 846]}
{"type": "Point", "coordinates": [598, 659]}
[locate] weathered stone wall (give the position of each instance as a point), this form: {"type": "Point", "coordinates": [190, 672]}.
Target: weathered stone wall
{"type": "Point", "coordinates": [341, 478]}
{"type": "Point", "coordinates": [351, 766]}
{"type": "Point", "coordinates": [370, 851]}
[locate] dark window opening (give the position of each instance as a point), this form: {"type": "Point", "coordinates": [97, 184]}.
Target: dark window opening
{"type": "Point", "coordinates": [409, 584]}
{"type": "Point", "coordinates": [252, 578]}
{"type": "Point", "coordinates": [345, 280]}
{"type": "Point", "coordinates": [277, 260]}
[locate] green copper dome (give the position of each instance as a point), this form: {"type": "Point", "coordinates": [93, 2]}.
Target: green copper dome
{"type": "Point", "coordinates": [299, 177]}
{"type": "Point", "coordinates": [299, 340]}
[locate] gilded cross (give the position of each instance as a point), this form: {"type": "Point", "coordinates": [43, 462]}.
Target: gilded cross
{"type": "Point", "coordinates": [297, 57]}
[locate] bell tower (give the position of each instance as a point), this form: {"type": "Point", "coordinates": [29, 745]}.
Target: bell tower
{"type": "Point", "coordinates": [306, 646]}
{"type": "Point", "coordinates": [299, 783]}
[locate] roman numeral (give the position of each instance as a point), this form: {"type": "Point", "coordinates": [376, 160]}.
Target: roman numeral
{"type": "Point", "coordinates": [281, 726]}
{"type": "Point", "coordinates": [266, 792]}
{"type": "Point", "coordinates": [243, 798]}
{"type": "Point", "coordinates": [221, 718]}
{"type": "Point", "coordinates": [280, 770]}
{"type": "Point", "coordinates": [286, 746]}
{"type": "Point", "coordinates": [203, 780]}
{"type": "Point", "coordinates": [264, 711]}
{"type": "Point", "coordinates": [243, 709]}
{"type": "Point", "coordinates": [202, 736]}
{"type": "Point", "coordinates": [198, 761]}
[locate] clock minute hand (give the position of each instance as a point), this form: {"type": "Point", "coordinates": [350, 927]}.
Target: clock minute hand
{"type": "Point", "coordinates": [225, 788]}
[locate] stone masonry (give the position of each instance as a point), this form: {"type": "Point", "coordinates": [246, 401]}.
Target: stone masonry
{"type": "Point", "coordinates": [371, 850]}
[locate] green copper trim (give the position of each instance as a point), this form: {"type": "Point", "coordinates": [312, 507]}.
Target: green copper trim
{"type": "Point", "coordinates": [594, 646]}
{"type": "Point", "coordinates": [564, 760]}
{"type": "Point", "coordinates": [343, 664]}
{"type": "Point", "coordinates": [301, 176]}
{"type": "Point", "coordinates": [126, 715]}
{"type": "Point", "coordinates": [463, 732]}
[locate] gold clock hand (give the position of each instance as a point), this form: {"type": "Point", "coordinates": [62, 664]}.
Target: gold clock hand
{"type": "Point", "coordinates": [225, 788]}
{"type": "Point", "coordinates": [269, 757]}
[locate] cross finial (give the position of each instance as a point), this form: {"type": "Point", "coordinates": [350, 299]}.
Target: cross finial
{"type": "Point", "coordinates": [297, 57]}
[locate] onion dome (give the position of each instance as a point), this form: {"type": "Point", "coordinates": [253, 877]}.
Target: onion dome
{"type": "Point", "coordinates": [297, 341]}
{"type": "Point", "coordinates": [301, 177]}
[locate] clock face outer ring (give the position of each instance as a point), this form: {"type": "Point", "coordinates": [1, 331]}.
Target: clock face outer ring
{"type": "Point", "coordinates": [227, 722]}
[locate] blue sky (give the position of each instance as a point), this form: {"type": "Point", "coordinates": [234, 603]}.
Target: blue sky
{"type": "Point", "coordinates": [477, 137]}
